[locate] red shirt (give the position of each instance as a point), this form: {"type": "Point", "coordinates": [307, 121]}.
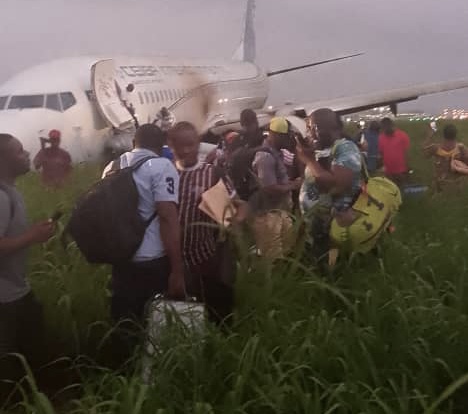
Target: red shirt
{"type": "Point", "coordinates": [393, 149]}
{"type": "Point", "coordinates": [55, 164]}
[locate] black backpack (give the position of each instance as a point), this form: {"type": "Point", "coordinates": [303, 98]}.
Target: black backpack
{"type": "Point", "coordinates": [239, 169]}
{"type": "Point", "coordinates": [105, 223]}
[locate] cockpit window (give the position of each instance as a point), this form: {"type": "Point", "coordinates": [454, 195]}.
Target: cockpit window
{"type": "Point", "coordinates": [53, 102]}
{"type": "Point", "coordinates": [26, 101]}
{"type": "Point", "coordinates": [68, 100]}
{"type": "Point", "coordinates": [3, 101]}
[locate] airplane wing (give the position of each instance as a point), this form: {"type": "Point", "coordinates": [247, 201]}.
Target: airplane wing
{"type": "Point", "coordinates": [352, 104]}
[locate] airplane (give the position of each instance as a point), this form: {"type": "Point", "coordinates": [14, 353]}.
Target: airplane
{"type": "Point", "coordinates": [82, 97]}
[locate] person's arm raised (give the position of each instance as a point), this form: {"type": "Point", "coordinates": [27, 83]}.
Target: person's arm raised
{"type": "Point", "coordinates": [338, 179]}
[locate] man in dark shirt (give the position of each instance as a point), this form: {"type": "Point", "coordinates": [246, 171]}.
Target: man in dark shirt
{"type": "Point", "coordinates": [20, 313]}
{"type": "Point", "coordinates": [252, 134]}
{"type": "Point", "coordinates": [54, 162]}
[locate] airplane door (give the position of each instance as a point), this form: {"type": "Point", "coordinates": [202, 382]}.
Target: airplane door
{"type": "Point", "coordinates": [108, 102]}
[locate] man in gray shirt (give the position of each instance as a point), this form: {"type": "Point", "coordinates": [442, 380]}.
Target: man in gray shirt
{"type": "Point", "coordinates": [271, 204]}
{"type": "Point", "coordinates": [20, 313]}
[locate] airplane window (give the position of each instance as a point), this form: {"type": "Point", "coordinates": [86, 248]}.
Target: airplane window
{"type": "Point", "coordinates": [53, 102]}
{"type": "Point", "coordinates": [152, 96]}
{"type": "Point", "coordinates": [3, 101]}
{"type": "Point", "coordinates": [68, 100]}
{"type": "Point", "coordinates": [157, 96]}
{"type": "Point", "coordinates": [26, 101]}
{"type": "Point", "coordinates": [146, 97]}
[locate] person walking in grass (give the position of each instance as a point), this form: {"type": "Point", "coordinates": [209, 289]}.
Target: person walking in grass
{"type": "Point", "coordinates": [203, 254]}
{"type": "Point", "coordinates": [54, 163]}
{"type": "Point", "coordinates": [394, 145]}
{"type": "Point", "coordinates": [20, 312]}
{"type": "Point", "coordinates": [157, 265]}
{"type": "Point", "coordinates": [450, 157]}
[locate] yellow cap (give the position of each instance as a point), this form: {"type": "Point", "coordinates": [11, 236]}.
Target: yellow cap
{"type": "Point", "coordinates": [279, 125]}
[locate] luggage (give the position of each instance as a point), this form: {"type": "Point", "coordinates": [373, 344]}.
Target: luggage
{"type": "Point", "coordinates": [166, 319]}
{"type": "Point", "coordinates": [375, 208]}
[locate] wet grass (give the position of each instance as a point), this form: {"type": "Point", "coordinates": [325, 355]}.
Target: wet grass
{"type": "Point", "coordinates": [387, 334]}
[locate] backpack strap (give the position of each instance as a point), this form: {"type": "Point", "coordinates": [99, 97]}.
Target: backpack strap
{"type": "Point", "coordinates": [116, 164]}
{"type": "Point", "coordinates": [138, 164]}
{"type": "Point", "coordinates": [7, 191]}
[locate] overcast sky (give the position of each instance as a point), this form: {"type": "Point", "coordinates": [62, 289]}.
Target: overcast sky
{"type": "Point", "coordinates": [405, 41]}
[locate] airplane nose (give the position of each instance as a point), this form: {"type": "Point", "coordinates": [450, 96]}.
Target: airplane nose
{"type": "Point", "coordinates": [23, 129]}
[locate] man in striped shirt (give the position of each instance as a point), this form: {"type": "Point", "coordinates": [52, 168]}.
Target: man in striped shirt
{"type": "Point", "coordinates": [203, 255]}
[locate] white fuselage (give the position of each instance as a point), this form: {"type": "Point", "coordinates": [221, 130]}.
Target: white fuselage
{"type": "Point", "coordinates": [59, 95]}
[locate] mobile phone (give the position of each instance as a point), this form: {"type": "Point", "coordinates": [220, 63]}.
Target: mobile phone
{"type": "Point", "coordinates": [56, 216]}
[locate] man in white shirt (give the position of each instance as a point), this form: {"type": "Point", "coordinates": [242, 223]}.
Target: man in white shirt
{"type": "Point", "coordinates": [157, 265]}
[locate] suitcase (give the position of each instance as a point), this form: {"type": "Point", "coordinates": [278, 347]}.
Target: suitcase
{"type": "Point", "coordinates": [167, 318]}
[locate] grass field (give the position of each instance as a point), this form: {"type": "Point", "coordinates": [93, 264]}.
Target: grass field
{"type": "Point", "coordinates": [387, 334]}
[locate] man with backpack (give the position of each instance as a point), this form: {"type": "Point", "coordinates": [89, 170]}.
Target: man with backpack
{"type": "Point", "coordinates": [271, 201]}
{"type": "Point", "coordinates": [348, 210]}
{"type": "Point", "coordinates": [20, 313]}
{"type": "Point", "coordinates": [156, 267]}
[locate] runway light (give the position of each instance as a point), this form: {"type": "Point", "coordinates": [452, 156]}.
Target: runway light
{"type": "Point", "coordinates": [348, 119]}
{"type": "Point", "coordinates": [226, 99]}
{"type": "Point", "coordinates": [270, 107]}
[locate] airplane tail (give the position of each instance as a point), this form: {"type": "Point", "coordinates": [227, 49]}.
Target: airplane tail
{"type": "Point", "coordinates": [247, 49]}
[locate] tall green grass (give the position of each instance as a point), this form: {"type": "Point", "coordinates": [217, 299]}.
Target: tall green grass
{"type": "Point", "coordinates": [387, 333]}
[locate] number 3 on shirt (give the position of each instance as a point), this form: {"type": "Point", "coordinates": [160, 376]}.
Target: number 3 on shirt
{"type": "Point", "coordinates": [170, 185]}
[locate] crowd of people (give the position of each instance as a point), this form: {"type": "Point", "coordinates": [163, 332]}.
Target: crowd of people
{"type": "Point", "coordinates": [273, 176]}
